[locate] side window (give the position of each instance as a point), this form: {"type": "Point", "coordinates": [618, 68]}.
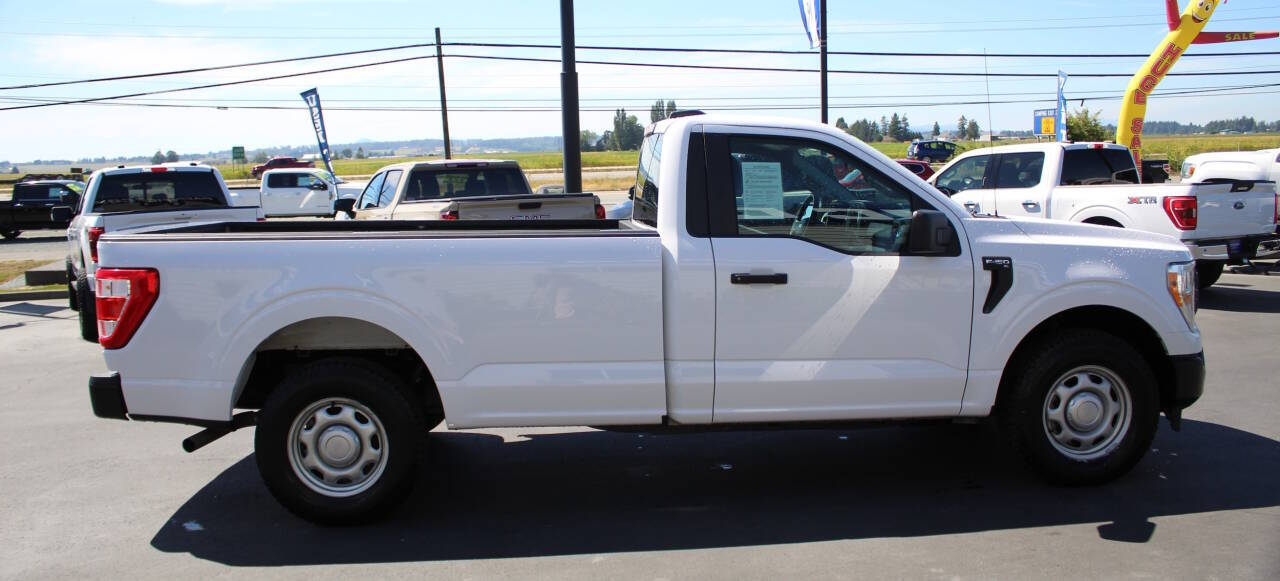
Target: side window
{"type": "Point", "coordinates": [306, 180]}
{"type": "Point", "coordinates": [282, 180]}
{"type": "Point", "coordinates": [388, 191]}
{"type": "Point", "coordinates": [645, 206]}
{"type": "Point", "coordinates": [1019, 170]}
{"type": "Point", "coordinates": [369, 197]}
{"type": "Point", "coordinates": [817, 192]}
{"type": "Point", "coordinates": [1120, 164]}
{"type": "Point", "coordinates": [966, 174]}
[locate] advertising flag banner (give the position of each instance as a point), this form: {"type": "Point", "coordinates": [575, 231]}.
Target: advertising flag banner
{"type": "Point", "coordinates": [809, 16]}
{"type": "Point", "coordinates": [1062, 107]}
{"type": "Point", "coordinates": [312, 98]}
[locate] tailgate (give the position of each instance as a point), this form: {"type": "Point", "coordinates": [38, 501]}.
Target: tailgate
{"type": "Point", "coordinates": [527, 207]}
{"type": "Point", "coordinates": [1234, 209]}
{"type": "Point", "coordinates": [131, 220]}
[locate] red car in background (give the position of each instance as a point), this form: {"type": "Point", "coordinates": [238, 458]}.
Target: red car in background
{"type": "Point", "coordinates": [278, 163]}
{"type": "Point", "coordinates": [922, 169]}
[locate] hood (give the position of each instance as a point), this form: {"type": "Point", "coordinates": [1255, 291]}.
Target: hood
{"type": "Point", "coordinates": [1075, 233]}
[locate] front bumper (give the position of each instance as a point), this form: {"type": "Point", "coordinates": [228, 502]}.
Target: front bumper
{"type": "Point", "coordinates": [1188, 381]}
{"type": "Point", "coordinates": [107, 398]}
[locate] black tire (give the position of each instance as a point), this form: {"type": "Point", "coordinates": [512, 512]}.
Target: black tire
{"type": "Point", "coordinates": [72, 303]}
{"type": "Point", "coordinates": [88, 311]}
{"type": "Point", "coordinates": [349, 383]}
{"type": "Point", "coordinates": [1208, 273]}
{"type": "Point", "coordinates": [10, 234]}
{"type": "Point", "coordinates": [1094, 359]}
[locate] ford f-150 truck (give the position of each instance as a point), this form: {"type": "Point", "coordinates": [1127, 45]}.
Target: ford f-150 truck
{"type": "Point", "coordinates": [32, 203]}
{"type": "Point", "coordinates": [719, 305]}
{"type": "Point", "coordinates": [125, 198]}
{"type": "Point", "coordinates": [473, 189]}
{"type": "Point", "coordinates": [1096, 183]}
{"type": "Point", "coordinates": [291, 192]}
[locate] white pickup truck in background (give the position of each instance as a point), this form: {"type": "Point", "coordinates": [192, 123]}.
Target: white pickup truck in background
{"type": "Point", "coordinates": [126, 198]}
{"type": "Point", "coordinates": [756, 289]}
{"type": "Point", "coordinates": [291, 192]}
{"type": "Point", "coordinates": [473, 189]}
{"type": "Point", "coordinates": [1232, 165]}
{"type": "Point", "coordinates": [1095, 183]}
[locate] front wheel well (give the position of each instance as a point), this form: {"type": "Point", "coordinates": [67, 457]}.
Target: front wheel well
{"type": "Point", "coordinates": [1112, 320]}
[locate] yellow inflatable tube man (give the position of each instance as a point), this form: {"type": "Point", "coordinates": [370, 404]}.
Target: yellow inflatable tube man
{"type": "Point", "coordinates": [1184, 30]}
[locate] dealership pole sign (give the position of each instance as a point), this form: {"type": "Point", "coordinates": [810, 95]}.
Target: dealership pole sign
{"type": "Point", "coordinates": [312, 98]}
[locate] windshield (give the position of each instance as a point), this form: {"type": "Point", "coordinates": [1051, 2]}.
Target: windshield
{"type": "Point", "coordinates": [432, 183]}
{"type": "Point", "coordinates": [158, 191]}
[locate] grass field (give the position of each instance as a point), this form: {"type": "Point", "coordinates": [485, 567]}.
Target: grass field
{"type": "Point", "coordinates": [1175, 147]}
{"type": "Point", "coordinates": [11, 269]}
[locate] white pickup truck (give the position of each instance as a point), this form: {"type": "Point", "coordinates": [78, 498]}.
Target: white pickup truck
{"type": "Point", "coordinates": [1095, 183]}
{"type": "Point", "coordinates": [291, 192]}
{"type": "Point", "coordinates": [716, 305]}
{"type": "Point", "coordinates": [126, 198]}
{"type": "Point", "coordinates": [472, 189]}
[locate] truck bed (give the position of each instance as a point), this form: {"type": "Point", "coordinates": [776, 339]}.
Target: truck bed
{"type": "Point", "coordinates": [360, 229]}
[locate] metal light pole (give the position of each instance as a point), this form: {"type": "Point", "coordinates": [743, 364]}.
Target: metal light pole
{"type": "Point", "coordinates": [569, 102]}
{"type": "Point", "coordinates": [822, 56]}
{"type": "Point", "coordinates": [444, 105]}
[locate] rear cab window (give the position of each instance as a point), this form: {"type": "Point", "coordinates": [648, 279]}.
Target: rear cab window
{"type": "Point", "coordinates": [169, 190]}
{"type": "Point", "coordinates": [1083, 167]}
{"type": "Point", "coordinates": [431, 183]}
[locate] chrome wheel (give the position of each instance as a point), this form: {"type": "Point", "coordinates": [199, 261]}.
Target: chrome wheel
{"type": "Point", "coordinates": [1087, 412]}
{"type": "Point", "coordinates": [337, 447]}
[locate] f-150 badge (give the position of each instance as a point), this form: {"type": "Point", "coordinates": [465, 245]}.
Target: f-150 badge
{"type": "Point", "coordinates": [1142, 199]}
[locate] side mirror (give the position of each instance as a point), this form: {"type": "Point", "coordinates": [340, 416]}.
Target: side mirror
{"type": "Point", "coordinates": [345, 205]}
{"type": "Point", "coordinates": [631, 193]}
{"type": "Point", "coordinates": [319, 186]}
{"type": "Point", "coordinates": [931, 234]}
{"type": "Point", "coordinates": [61, 214]}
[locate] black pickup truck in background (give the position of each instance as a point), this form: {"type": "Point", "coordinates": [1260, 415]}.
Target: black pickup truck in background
{"type": "Point", "coordinates": [32, 206]}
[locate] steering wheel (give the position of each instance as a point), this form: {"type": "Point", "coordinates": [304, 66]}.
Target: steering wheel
{"type": "Point", "coordinates": [804, 213]}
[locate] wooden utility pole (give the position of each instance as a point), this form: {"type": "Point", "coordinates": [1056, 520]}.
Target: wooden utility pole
{"type": "Point", "coordinates": [444, 104]}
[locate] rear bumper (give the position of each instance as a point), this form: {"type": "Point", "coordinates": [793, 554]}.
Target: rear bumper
{"type": "Point", "coordinates": [107, 398]}
{"type": "Point", "coordinates": [1188, 380]}
{"type": "Point", "coordinates": [1231, 250]}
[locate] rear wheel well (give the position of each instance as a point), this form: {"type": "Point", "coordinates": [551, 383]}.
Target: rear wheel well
{"type": "Point", "coordinates": [299, 344]}
{"type": "Point", "coordinates": [1114, 321]}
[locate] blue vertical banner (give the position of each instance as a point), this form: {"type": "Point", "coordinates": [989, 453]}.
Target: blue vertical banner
{"type": "Point", "coordinates": [809, 16]}
{"type": "Point", "coordinates": [1062, 107]}
{"type": "Point", "coordinates": [312, 98]}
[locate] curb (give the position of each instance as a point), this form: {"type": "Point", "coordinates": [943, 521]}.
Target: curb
{"type": "Point", "coordinates": [33, 296]}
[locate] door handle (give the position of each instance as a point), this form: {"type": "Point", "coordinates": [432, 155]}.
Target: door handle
{"type": "Point", "coordinates": [1030, 203]}
{"type": "Point", "coordinates": [747, 278]}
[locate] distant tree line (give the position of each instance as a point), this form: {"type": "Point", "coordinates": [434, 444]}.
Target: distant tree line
{"type": "Point", "coordinates": [627, 133]}
{"type": "Point", "coordinates": [1241, 124]}
{"type": "Point", "coordinates": [894, 128]}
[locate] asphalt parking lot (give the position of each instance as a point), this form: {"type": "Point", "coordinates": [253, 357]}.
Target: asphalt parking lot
{"type": "Point", "coordinates": [84, 497]}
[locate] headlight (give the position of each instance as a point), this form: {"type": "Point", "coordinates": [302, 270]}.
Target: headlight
{"type": "Point", "coordinates": [1181, 280]}
{"type": "Point", "coordinates": [1188, 170]}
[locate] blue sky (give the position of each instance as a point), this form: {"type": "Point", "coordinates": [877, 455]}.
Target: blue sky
{"type": "Point", "coordinates": [51, 41]}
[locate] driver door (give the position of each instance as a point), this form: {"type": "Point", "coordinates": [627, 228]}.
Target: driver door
{"type": "Point", "coordinates": [821, 313]}
{"type": "Point", "coordinates": [970, 182]}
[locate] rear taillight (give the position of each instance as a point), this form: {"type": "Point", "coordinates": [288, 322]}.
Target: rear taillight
{"type": "Point", "coordinates": [124, 297]}
{"type": "Point", "coordinates": [448, 214]}
{"type": "Point", "coordinates": [599, 212]}
{"type": "Point", "coordinates": [94, 234]}
{"type": "Point", "coordinates": [1181, 211]}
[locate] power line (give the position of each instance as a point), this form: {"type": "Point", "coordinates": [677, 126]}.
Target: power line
{"type": "Point", "coordinates": [226, 84]}
{"type": "Point", "coordinates": [851, 53]}
{"type": "Point", "coordinates": [216, 68]}
{"type": "Point", "coordinates": [852, 71]}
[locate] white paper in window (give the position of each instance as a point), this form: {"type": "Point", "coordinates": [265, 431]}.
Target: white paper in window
{"type": "Point", "coordinates": [762, 189]}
